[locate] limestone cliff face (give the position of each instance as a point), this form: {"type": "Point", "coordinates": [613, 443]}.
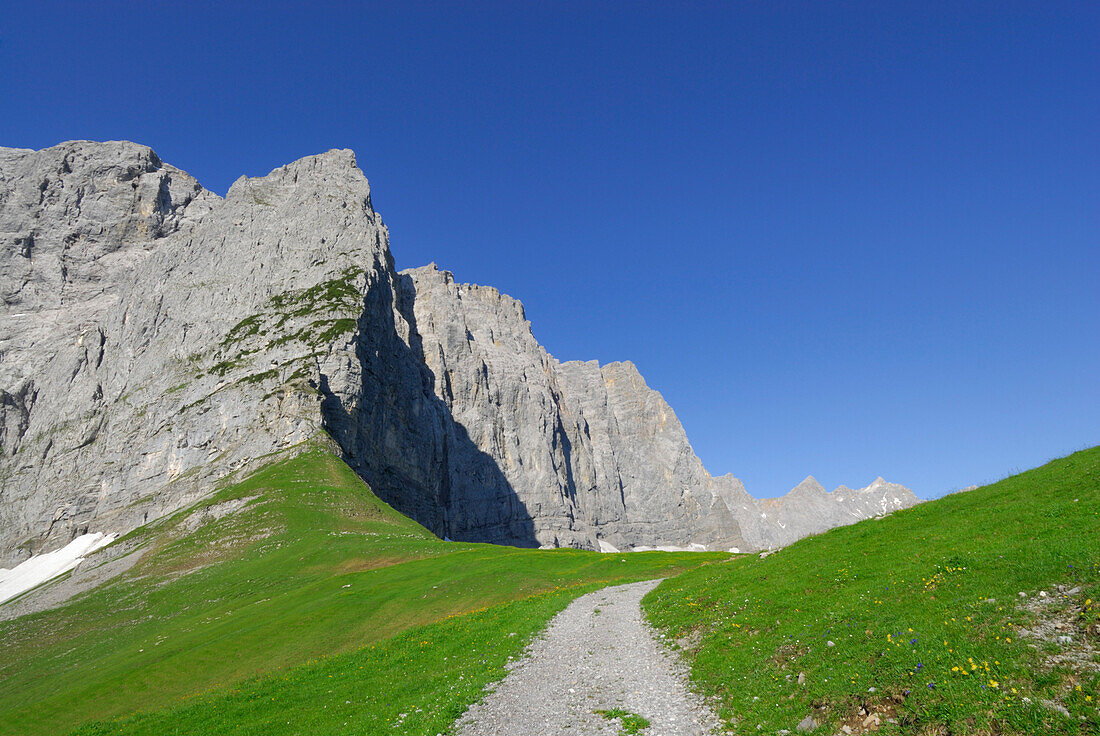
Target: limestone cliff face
{"type": "Point", "coordinates": [592, 454]}
{"type": "Point", "coordinates": [155, 337]}
{"type": "Point", "coordinates": [595, 455]}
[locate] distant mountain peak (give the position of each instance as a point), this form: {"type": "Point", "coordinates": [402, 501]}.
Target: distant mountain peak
{"type": "Point", "coordinates": [809, 485]}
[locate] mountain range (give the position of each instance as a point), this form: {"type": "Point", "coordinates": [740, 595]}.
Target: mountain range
{"type": "Point", "coordinates": [157, 339]}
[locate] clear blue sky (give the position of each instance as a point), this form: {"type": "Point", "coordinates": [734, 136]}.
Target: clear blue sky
{"type": "Point", "coordinates": [847, 239]}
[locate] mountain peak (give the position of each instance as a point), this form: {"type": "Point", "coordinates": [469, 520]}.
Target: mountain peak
{"type": "Point", "coordinates": [808, 486]}
{"type": "Point", "coordinates": [329, 174]}
{"type": "Point", "coordinates": [239, 327]}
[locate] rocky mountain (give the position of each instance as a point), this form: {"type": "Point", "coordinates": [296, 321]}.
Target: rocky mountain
{"type": "Point", "coordinates": [155, 337]}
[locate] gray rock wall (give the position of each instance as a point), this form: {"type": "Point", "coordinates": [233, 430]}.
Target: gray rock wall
{"type": "Point", "coordinates": [593, 453]}
{"type": "Point", "coordinates": [155, 337]}
{"type": "Point", "coordinates": [590, 453]}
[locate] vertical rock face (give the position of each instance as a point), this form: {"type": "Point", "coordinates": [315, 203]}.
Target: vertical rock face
{"type": "Point", "coordinates": [588, 453]}
{"type": "Point", "coordinates": [139, 358]}
{"type": "Point", "coordinates": [593, 454]}
{"type": "Point", "coordinates": [155, 337]}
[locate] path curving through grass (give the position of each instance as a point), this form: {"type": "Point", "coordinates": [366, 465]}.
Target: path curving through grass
{"type": "Point", "coordinates": [597, 669]}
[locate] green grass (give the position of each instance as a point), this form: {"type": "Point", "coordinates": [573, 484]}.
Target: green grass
{"type": "Point", "coordinates": [629, 723]}
{"type": "Point", "coordinates": [923, 606]}
{"type": "Point", "coordinates": [313, 594]}
{"type": "Point", "coordinates": [417, 682]}
{"type": "Point", "coordinates": [316, 608]}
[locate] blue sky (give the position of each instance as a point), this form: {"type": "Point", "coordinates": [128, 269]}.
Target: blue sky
{"type": "Point", "coordinates": [843, 239]}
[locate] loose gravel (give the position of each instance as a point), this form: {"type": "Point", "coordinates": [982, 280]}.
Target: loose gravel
{"type": "Point", "coordinates": [597, 654]}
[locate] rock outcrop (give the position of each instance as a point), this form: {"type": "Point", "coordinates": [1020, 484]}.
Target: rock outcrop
{"type": "Point", "coordinates": [593, 452]}
{"type": "Point", "coordinates": [133, 371]}
{"type": "Point", "coordinates": [155, 338]}
{"type": "Point", "coordinates": [596, 455]}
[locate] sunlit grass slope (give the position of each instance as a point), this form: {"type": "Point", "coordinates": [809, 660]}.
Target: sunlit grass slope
{"type": "Point", "coordinates": [309, 565]}
{"type": "Point", "coordinates": [922, 606]}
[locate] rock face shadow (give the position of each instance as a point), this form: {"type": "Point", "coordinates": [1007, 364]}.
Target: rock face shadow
{"type": "Point", "coordinates": [403, 440]}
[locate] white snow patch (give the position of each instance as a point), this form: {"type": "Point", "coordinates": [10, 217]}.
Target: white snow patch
{"type": "Point", "coordinates": [607, 546]}
{"type": "Point", "coordinates": [667, 548]}
{"type": "Point", "coordinates": [40, 568]}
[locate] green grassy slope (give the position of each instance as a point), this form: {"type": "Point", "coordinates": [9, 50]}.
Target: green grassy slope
{"type": "Point", "coordinates": [313, 566]}
{"type": "Point", "coordinates": [922, 606]}
{"type": "Point", "coordinates": [417, 682]}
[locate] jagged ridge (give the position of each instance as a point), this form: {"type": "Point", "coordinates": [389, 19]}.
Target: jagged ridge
{"type": "Point", "coordinates": [156, 337]}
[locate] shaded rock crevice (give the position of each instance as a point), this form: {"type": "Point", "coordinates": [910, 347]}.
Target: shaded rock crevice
{"type": "Point", "coordinates": [402, 438]}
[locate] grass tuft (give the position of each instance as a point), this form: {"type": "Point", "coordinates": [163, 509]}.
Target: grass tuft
{"type": "Point", "coordinates": [629, 723]}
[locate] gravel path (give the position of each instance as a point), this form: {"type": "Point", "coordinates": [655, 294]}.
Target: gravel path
{"type": "Point", "coordinates": [597, 654]}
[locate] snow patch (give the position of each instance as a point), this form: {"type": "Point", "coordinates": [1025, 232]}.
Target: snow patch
{"type": "Point", "coordinates": [607, 547]}
{"type": "Point", "coordinates": [40, 568]}
{"type": "Point", "coordinates": [695, 547]}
